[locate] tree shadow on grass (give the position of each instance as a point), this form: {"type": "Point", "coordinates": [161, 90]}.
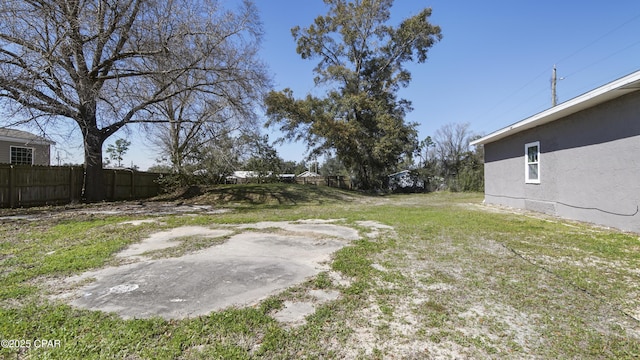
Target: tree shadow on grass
{"type": "Point", "coordinates": [263, 194]}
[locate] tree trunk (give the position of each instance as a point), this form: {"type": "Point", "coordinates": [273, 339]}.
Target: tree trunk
{"type": "Point", "coordinates": [365, 182]}
{"type": "Point", "coordinates": [94, 185]}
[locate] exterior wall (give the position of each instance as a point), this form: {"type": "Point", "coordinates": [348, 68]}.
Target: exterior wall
{"type": "Point", "coordinates": [41, 154]}
{"type": "Point", "coordinates": [589, 166]}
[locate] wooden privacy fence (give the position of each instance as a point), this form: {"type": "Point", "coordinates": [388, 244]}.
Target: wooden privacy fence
{"type": "Point", "coordinates": [332, 181]}
{"type": "Point", "coordinates": [25, 185]}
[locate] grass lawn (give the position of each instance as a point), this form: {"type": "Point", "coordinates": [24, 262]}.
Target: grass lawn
{"type": "Point", "coordinates": [454, 279]}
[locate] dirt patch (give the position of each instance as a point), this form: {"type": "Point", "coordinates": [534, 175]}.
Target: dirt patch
{"type": "Point", "coordinates": [136, 208]}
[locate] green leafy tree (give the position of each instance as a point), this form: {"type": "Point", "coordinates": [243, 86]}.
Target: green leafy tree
{"type": "Point", "coordinates": [428, 166]}
{"type": "Point", "coordinates": [292, 167]}
{"type": "Point", "coordinates": [333, 167]}
{"type": "Point", "coordinates": [116, 151]}
{"type": "Point", "coordinates": [160, 168]}
{"type": "Point", "coordinates": [471, 176]}
{"type": "Point", "coordinates": [361, 63]}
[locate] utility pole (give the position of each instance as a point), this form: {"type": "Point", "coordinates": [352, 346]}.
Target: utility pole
{"type": "Point", "coordinates": [554, 80]}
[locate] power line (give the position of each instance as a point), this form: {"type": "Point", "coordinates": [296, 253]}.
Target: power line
{"type": "Point", "coordinates": [598, 39]}
{"type": "Point", "coordinates": [603, 59]}
{"type": "Point", "coordinates": [547, 69]}
{"type": "Point", "coordinates": [518, 90]}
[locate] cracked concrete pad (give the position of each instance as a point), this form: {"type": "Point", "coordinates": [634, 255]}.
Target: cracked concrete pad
{"type": "Point", "coordinates": [375, 227]}
{"type": "Point", "coordinates": [139, 222]}
{"type": "Point", "coordinates": [319, 227]}
{"type": "Point", "coordinates": [245, 269]}
{"type": "Point", "coordinates": [187, 286]}
{"type": "Point", "coordinates": [166, 239]}
{"type": "Point", "coordinates": [325, 295]}
{"type": "Point", "coordinates": [294, 312]}
{"type": "Point", "coordinates": [379, 267]}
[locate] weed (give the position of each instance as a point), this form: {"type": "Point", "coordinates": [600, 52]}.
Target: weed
{"type": "Point", "coordinates": [322, 281]}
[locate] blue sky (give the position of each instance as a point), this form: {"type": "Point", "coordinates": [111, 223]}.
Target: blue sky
{"type": "Point", "coordinates": [491, 69]}
{"type": "Point", "coordinates": [494, 63]}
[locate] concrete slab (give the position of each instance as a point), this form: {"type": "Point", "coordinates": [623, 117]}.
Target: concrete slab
{"type": "Point", "coordinates": [294, 313]}
{"type": "Point", "coordinates": [139, 222]}
{"type": "Point", "coordinates": [319, 227]}
{"type": "Point", "coordinates": [167, 239]}
{"type": "Point", "coordinates": [324, 295]}
{"type": "Point", "coordinates": [187, 287]}
{"type": "Point", "coordinates": [247, 268]}
{"type": "Point", "coordinates": [376, 227]}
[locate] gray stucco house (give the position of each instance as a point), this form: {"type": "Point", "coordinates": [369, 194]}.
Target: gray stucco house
{"type": "Point", "coordinates": [23, 148]}
{"type": "Point", "coordinates": [578, 160]}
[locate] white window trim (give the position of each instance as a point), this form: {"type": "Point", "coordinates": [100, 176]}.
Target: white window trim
{"type": "Point", "coordinates": [33, 152]}
{"type": "Point", "coordinates": [526, 163]}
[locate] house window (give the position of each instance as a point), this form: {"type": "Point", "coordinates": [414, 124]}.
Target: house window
{"type": "Point", "coordinates": [21, 155]}
{"type": "Point", "coordinates": [532, 162]}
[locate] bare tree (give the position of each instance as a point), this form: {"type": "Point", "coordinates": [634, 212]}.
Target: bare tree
{"type": "Point", "coordinates": [197, 133]}
{"type": "Point", "coordinates": [459, 166]}
{"type": "Point", "coordinates": [97, 62]}
{"type": "Point", "coordinates": [451, 144]}
{"type": "Point", "coordinates": [192, 123]}
{"type": "Point", "coordinates": [197, 119]}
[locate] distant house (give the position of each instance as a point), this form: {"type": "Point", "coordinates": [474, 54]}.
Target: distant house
{"type": "Point", "coordinates": [23, 148]}
{"type": "Point", "coordinates": [579, 160]}
{"type": "Point", "coordinates": [288, 178]}
{"type": "Point", "coordinates": [242, 177]}
{"type": "Point", "coordinates": [308, 174]}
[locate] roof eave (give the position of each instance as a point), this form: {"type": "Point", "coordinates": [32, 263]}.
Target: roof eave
{"type": "Point", "coordinates": [27, 141]}
{"type": "Point", "coordinates": [610, 91]}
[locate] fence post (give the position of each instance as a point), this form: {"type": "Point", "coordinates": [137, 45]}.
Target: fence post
{"type": "Point", "coordinates": [12, 185]}
{"type": "Point", "coordinates": [72, 181]}
{"type": "Point", "coordinates": [132, 193]}
{"type": "Point", "coordinates": [113, 186]}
